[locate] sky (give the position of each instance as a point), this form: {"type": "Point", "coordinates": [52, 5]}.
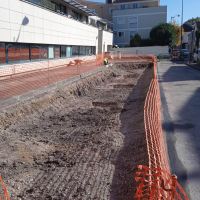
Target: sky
{"type": "Point", "coordinates": [191, 8]}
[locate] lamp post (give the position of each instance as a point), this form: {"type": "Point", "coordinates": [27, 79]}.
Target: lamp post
{"type": "Point", "coordinates": [173, 18]}
{"type": "Point", "coordinates": [182, 26]}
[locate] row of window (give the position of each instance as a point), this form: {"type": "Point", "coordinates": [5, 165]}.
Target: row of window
{"type": "Point", "coordinates": [16, 52]}
{"type": "Point", "coordinates": [121, 34]}
{"type": "Point", "coordinates": [58, 7]}
{"type": "Point", "coordinates": [54, 6]}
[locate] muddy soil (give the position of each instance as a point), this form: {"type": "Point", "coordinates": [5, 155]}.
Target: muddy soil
{"type": "Point", "coordinates": [82, 142]}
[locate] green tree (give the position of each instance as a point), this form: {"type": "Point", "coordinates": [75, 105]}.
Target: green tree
{"type": "Point", "coordinates": [164, 34]}
{"type": "Point", "coordinates": [136, 41]}
{"type": "Point", "coordinates": [193, 20]}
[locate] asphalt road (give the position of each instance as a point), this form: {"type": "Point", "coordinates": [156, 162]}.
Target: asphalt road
{"type": "Point", "coordinates": [180, 94]}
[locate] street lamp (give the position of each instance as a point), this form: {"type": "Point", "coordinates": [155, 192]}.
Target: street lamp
{"type": "Point", "coordinates": [182, 26]}
{"type": "Point", "coordinates": [172, 18]}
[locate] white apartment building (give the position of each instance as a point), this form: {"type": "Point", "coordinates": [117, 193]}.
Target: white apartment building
{"type": "Point", "coordinates": [130, 17]}
{"type": "Point", "coordinates": [49, 29]}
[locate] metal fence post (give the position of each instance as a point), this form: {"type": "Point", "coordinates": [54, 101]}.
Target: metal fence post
{"type": "Point", "coordinates": [174, 183]}
{"type": "Point", "coordinates": [48, 72]}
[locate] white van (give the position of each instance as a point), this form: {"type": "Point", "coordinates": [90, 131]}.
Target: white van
{"type": "Point", "coordinates": [197, 56]}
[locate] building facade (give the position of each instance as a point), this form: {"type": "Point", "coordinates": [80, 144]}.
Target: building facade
{"type": "Point", "coordinates": [130, 17]}
{"type": "Point", "coordinates": [49, 29]}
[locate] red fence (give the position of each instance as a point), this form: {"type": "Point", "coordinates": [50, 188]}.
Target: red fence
{"type": "Point", "coordinates": [22, 78]}
{"type": "Point", "coordinates": [155, 182]}
{"type": "Point", "coordinates": [4, 195]}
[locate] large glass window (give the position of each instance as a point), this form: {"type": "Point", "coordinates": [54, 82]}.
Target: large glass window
{"type": "Point", "coordinates": [43, 51]}
{"type": "Point", "coordinates": [75, 50]}
{"type": "Point", "coordinates": [82, 51]}
{"type": "Point", "coordinates": [51, 52]}
{"type": "Point", "coordinates": [69, 52]}
{"type": "Point", "coordinates": [13, 52]}
{"type": "Point", "coordinates": [2, 53]}
{"type": "Point", "coordinates": [63, 51]}
{"type": "Point", "coordinates": [39, 52]}
{"type": "Point", "coordinates": [94, 50]}
{"type": "Point", "coordinates": [88, 50]}
{"type": "Point", "coordinates": [63, 9]}
{"type": "Point", "coordinates": [57, 51]}
{"type": "Point", "coordinates": [24, 52]}
{"type": "Point", "coordinates": [35, 52]}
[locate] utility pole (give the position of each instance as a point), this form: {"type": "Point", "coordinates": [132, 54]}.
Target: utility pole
{"type": "Point", "coordinates": [182, 26]}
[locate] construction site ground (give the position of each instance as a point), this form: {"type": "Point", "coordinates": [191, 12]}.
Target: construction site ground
{"type": "Point", "coordinates": [81, 142]}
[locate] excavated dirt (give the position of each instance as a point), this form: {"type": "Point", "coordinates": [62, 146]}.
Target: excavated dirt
{"type": "Point", "coordinates": [82, 142]}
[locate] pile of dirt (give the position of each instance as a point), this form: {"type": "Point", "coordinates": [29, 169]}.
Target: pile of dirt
{"type": "Point", "coordinates": [80, 142]}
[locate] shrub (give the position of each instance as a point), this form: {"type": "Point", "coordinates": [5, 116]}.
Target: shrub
{"type": "Point", "coordinates": [135, 41]}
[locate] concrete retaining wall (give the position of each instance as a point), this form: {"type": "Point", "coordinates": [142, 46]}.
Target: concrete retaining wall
{"type": "Point", "coordinates": [155, 50]}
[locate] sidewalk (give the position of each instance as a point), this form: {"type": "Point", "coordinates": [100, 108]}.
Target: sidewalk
{"type": "Point", "coordinates": [180, 95]}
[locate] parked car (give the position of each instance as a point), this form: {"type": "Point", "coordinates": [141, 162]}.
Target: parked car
{"type": "Point", "coordinates": [175, 54]}
{"type": "Point", "coordinates": [197, 56]}
{"type": "Point", "coordinates": [185, 54]}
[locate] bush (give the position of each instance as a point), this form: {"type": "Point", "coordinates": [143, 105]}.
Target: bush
{"type": "Point", "coordinates": [135, 41]}
{"type": "Point", "coordinates": [146, 42]}
{"type": "Point", "coordinates": [164, 34]}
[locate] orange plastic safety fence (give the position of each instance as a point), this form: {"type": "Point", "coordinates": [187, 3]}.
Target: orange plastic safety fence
{"type": "Point", "coordinates": [21, 78]}
{"type": "Point", "coordinates": [17, 79]}
{"type": "Point", "coordinates": [155, 182]}
{"type": "Point", "coordinates": [5, 195]}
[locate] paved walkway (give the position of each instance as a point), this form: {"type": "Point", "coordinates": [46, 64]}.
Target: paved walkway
{"type": "Point", "coordinates": [21, 83]}
{"type": "Point", "coordinates": [180, 92]}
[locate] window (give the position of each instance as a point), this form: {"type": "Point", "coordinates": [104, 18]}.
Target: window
{"type": "Point", "coordinates": [2, 53]}
{"type": "Point", "coordinates": [135, 5]}
{"type": "Point", "coordinates": [24, 52]}
{"type": "Point", "coordinates": [128, 6]}
{"type": "Point", "coordinates": [50, 52]}
{"type": "Point", "coordinates": [35, 52]}
{"type": "Point", "coordinates": [13, 51]}
{"type": "Point", "coordinates": [43, 51]}
{"type": "Point", "coordinates": [58, 8]}
{"type": "Point", "coordinates": [39, 52]}
{"type": "Point", "coordinates": [121, 20]}
{"type": "Point", "coordinates": [94, 50]}
{"type": "Point", "coordinates": [121, 34]}
{"type": "Point", "coordinates": [63, 51]}
{"type": "Point", "coordinates": [132, 25]}
{"type": "Point", "coordinates": [63, 9]}
{"type": "Point", "coordinates": [122, 7]}
{"type": "Point", "coordinates": [88, 51]}
{"type": "Point", "coordinates": [57, 51]}
{"type": "Point", "coordinates": [132, 34]}
{"type": "Point", "coordinates": [132, 21]}
{"type": "Point", "coordinates": [82, 50]}
{"type": "Point", "coordinates": [75, 50]}
{"type": "Point", "coordinates": [68, 52]}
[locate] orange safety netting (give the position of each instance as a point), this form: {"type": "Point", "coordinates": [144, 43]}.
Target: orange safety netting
{"type": "Point", "coordinates": [21, 78]}
{"type": "Point", "coordinates": [155, 182]}
{"type": "Point", "coordinates": [4, 195]}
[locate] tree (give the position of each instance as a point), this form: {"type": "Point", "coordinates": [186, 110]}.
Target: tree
{"type": "Point", "coordinates": [193, 21]}
{"type": "Point", "coordinates": [164, 34]}
{"type": "Point", "coordinates": [197, 38]}
{"type": "Point", "coordinates": [136, 41]}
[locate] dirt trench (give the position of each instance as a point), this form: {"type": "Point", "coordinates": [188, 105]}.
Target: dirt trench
{"type": "Point", "coordinates": [82, 142]}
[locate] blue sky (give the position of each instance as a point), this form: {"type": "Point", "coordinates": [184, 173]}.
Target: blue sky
{"type": "Point", "coordinates": [191, 8]}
